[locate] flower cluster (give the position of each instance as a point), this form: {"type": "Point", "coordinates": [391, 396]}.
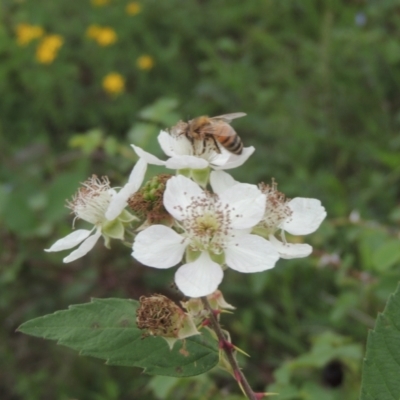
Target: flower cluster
{"type": "Point", "coordinates": [103, 35]}
{"type": "Point", "coordinates": [48, 48]}
{"type": "Point", "coordinates": [26, 33]}
{"type": "Point", "coordinates": [201, 218]}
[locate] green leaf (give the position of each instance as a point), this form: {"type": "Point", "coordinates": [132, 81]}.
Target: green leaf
{"type": "Point", "coordinates": [88, 141]}
{"type": "Point", "coordinates": [381, 369]}
{"type": "Point", "coordinates": [60, 189]}
{"type": "Point", "coordinates": [106, 329]}
{"type": "Point", "coordinates": [161, 111]}
{"type": "Point", "coordinates": [4, 193]}
{"type": "Point", "coordinates": [387, 255]}
{"type": "Point", "coordinates": [142, 132]}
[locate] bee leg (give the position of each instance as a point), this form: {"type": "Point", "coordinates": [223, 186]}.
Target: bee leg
{"type": "Point", "coordinates": [204, 145]}
{"type": "Point", "coordinates": [215, 144]}
{"type": "Point", "coordinates": [191, 140]}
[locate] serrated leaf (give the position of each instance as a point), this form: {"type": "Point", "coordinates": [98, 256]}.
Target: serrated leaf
{"type": "Point", "coordinates": [381, 369]}
{"type": "Point", "coordinates": [106, 329]}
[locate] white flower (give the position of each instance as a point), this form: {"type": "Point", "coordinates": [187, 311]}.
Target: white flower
{"type": "Point", "coordinates": [299, 216]}
{"type": "Point", "coordinates": [184, 155]}
{"type": "Point", "coordinates": [214, 230]}
{"type": "Point", "coordinates": [90, 204]}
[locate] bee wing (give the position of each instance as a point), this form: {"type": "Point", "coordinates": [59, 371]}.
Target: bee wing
{"type": "Point", "coordinates": [229, 117]}
{"type": "Point", "coordinates": [218, 127]}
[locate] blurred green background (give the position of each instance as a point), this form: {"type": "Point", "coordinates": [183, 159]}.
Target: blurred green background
{"type": "Point", "coordinates": [320, 82]}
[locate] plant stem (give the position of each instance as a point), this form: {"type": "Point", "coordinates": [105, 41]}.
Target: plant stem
{"type": "Point", "coordinates": [229, 352]}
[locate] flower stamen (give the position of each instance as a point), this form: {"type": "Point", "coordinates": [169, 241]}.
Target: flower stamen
{"type": "Point", "coordinates": [91, 200]}
{"type": "Point", "coordinates": [277, 209]}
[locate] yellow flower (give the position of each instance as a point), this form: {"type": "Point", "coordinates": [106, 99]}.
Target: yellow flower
{"type": "Point", "coordinates": [114, 83]}
{"type": "Point", "coordinates": [26, 33]}
{"type": "Point", "coordinates": [145, 62]}
{"type": "Point", "coordinates": [106, 36]}
{"type": "Point", "coordinates": [92, 31]}
{"type": "Point", "coordinates": [47, 50]}
{"type": "Point", "coordinates": [133, 8]}
{"type": "Point", "coordinates": [100, 3]}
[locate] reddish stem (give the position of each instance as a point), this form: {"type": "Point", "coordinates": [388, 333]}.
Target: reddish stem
{"type": "Point", "coordinates": [228, 348]}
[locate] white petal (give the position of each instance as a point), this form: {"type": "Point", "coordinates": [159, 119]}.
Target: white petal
{"type": "Point", "coordinates": [306, 218]}
{"type": "Point", "coordinates": [181, 162]}
{"type": "Point", "coordinates": [179, 194]}
{"type": "Point", "coordinates": [138, 172]}
{"type": "Point", "coordinates": [219, 159]}
{"type": "Point", "coordinates": [250, 253]}
{"type": "Point", "coordinates": [247, 204]}
{"type": "Point", "coordinates": [70, 241]}
{"type": "Point", "coordinates": [237, 160]}
{"type": "Point", "coordinates": [290, 250]}
{"type": "Point", "coordinates": [199, 278]}
{"type": "Point", "coordinates": [149, 158]}
{"type": "Point", "coordinates": [221, 181]}
{"type": "Point", "coordinates": [84, 248]}
{"type": "Point", "coordinates": [174, 146]}
{"type": "Point", "coordinates": [120, 200]}
{"type": "Point", "coordinates": [159, 246]}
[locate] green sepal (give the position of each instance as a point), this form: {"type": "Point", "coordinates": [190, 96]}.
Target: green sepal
{"type": "Point", "coordinates": [185, 172]}
{"type": "Point", "coordinates": [113, 229]}
{"type": "Point", "coordinates": [126, 217]}
{"type": "Point", "coordinates": [201, 176]}
{"type": "Point", "coordinates": [261, 231]}
{"type": "Point", "coordinates": [218, 258]}
{"type": "Point", "coordinates": [192, 255]}
{"type": "Point", "coordinates": [107, 242]}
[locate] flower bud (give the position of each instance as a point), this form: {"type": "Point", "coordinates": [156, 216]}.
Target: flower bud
{"type": "Point", "coordinates": [147, 203]}
{"type": "Point", "coordinates": [196, 309]}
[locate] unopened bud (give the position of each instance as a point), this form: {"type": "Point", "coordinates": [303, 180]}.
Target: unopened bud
{"type": "Point", "coordinates": [148, 204]}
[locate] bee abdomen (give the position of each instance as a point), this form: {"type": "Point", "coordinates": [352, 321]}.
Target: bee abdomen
{"type": "Point", "coordinates": [232, 143]}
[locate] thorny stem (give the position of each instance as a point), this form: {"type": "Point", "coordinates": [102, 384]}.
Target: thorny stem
{"type": "Point", "coordinates": [242, 381]}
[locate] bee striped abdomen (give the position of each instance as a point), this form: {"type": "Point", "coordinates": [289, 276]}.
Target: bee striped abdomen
{"type": "Point", "coordinates": [231, 143]}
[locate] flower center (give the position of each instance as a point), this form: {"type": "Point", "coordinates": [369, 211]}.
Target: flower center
{"type": "Point", "coordinates": [92, 200]}
{"type": "Point", "coordinates": [207, 224]}
{"type": "Point", "coordinates": [276, 210]}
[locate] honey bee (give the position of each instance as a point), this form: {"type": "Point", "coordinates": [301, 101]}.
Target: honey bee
{"type": "Point", "coordinates": [216, 130]}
